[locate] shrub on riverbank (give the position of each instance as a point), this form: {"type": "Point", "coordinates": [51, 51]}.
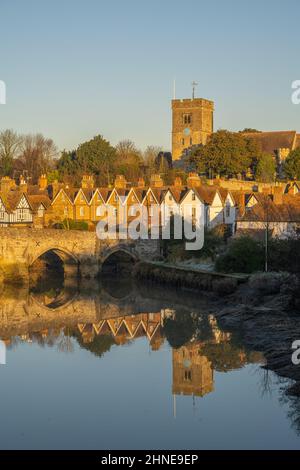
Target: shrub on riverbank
{"type": "Point", "coordinates": [245, 255]}
{"type": "Point", "coordinates": [214, 240]}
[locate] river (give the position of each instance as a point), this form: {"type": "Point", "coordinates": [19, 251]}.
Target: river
{"type": "Point", "coordinates": [121, 365]}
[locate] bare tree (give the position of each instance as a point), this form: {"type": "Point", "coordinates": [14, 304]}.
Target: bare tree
{"type": "Point", "coordinates": [129, 159]}
{"type": "Point", "coordinates": [10, 147]}
{"type": "Point", "coordinates": [150, 155]}
{"type": "Point", "coordinates": [37, 156]}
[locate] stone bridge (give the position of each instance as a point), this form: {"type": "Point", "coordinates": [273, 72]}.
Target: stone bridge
{"type": "Point", "coordinates": [79, 250]}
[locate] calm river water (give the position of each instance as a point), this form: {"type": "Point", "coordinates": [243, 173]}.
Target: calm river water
{"type": "Point", "coordinates": [118, 365]}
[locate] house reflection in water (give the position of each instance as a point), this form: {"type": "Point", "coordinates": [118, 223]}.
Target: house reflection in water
{"type": "Point", "coordinates": [97, 322]}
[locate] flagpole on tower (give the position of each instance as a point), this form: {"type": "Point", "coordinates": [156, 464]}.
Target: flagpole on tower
{"type": "Point", "coordinates": [194, 84]}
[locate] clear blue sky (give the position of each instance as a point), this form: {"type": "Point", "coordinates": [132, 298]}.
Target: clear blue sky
{"type": "Point", "coordinates": [76, 68]}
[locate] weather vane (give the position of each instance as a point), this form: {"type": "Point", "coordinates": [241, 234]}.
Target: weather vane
{"type": "Point", "coordinates": [194, 84]}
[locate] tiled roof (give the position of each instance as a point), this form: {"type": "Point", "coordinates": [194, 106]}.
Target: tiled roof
{"type": "Point", "coordinates": [36, 200]}
{"type": "Point", "coordinates": [270, 212]}
{"type": "Point", "coordinates": [207, 193]}
{"type": "Point", "coordinates": [271, 141]}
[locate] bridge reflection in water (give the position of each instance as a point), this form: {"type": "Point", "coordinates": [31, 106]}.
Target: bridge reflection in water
{"type": "Point", "coordinates": [115, 312]}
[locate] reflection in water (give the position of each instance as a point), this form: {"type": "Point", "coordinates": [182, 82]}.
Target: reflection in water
{"type": "Point", "coordinates": [116, 312]}
{"type": "Point", "coordinates": [108, 314]}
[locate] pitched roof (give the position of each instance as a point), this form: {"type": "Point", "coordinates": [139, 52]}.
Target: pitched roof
{"type": "Point", "coordinates": [13, 198]}
{"type": "Point", "coordinates": [207, 193]}
{"type": "Point", "coordinates": [270, 212]}
{"type": "Point", "coordinates": [260, 197]}
{"type": "Point", "coordinates": [35, 200]}
{"type": "Point", "coordinates": [271, 141]}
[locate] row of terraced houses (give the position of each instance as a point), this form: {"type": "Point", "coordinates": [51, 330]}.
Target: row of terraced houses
{"type": "Point", "coordinates": [44, 204]}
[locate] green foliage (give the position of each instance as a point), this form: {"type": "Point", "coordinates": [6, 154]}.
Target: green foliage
{"type": "Point", "coordinates": [266, 168]}
{"type": "Point", "coordinates": [52, 176]}
{"type": "Point", "coordinates": [213, 239]}
{"type": "Point", "coordinates": [249, 130]}
{"type": "Point", "coordinates": [284, 255]}
{"type": "Point", "coordinates": [69, 224]}
{"type": "Point", "coordinates": [68, 166]}
{"type": "Point", "coordinates": [226, 153]}
{"type": "Point", "coordinates": [245, 255]}
{"type": "Point", "coordinates": [97, 157]}
{"type": "Point", "coordinates": [292, 165]}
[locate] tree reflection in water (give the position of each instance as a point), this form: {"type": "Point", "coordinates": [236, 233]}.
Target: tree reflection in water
{"type": "Point", "coordinates": [117, 311]}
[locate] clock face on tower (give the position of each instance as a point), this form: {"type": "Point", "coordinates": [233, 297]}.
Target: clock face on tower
{"type": "Point", "coordinates": [187, 131]}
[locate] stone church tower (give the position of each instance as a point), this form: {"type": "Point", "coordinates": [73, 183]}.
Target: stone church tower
{"type": "Point", "coordinates": [192, 124]}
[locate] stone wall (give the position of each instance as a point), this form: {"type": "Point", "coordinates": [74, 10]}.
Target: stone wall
{"type": "Point", "coordinates": [20, 248]}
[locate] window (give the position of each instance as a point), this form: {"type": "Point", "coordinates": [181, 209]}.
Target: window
{"type": "Point", "coordinates": [151, 212]}
{"type": "Point", "coordinates": [170, 197]}
{"type": "Point", "coordinates": [132, 211]}
{"type": "Point", "coordinates": [228, 210]}
{"type": "Point", "coordinates": [193, 197]}
{"type": "Point", "coordinates": [98, 211]}
{"type": "Point", "coordinates": [188, 375]}
{"type": "Point", "coordinates": [191, 141]}
{"type": "Point", "coordinates": [2, 213]}
{"type": "Point", "coordinates": [21, 214]}
{"type": "Point", "coordinates": [81, 212]}
{"type": "Point", "coordinates": [187, 119]}
{"type": "Point", "coordinates": [182, 141]}
{"type": "Point", "coordinates": [193, 212]}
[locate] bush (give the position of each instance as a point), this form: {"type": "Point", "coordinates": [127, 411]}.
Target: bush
{"type": "Point", "coordinates": [69, 224]}
{"type": "Point", "coordinates": [245, 255]}
{"type": "Point", "coordinates": [284, 255]}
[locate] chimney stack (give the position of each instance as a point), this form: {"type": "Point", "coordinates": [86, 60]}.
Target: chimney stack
{"type": "Point", "coordinates": [141, 182]}
{"type": "Point", "coordinates": [193, 180]}
{"type": "Point", "coordinates": [6, 184]}
{"type": "Point", "coordinates": [156, 181]}
{"type": "Point", "coordinates": [120, 182]}
{"type": "Point", "coordinates": [178, 182]}
{"type": "Point", "coordinates": [43, 182]}
{"type": "Point", "coordinates": [87, 182]}
{"type": "Point", "coordinates": [23, 184]}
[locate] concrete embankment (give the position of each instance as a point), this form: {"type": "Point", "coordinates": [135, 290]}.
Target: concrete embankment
{"type": "Point", "coordinates": [188, 277]}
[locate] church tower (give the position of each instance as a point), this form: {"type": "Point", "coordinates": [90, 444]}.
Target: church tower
{"type": "Point", "coordinates": [192, 124]}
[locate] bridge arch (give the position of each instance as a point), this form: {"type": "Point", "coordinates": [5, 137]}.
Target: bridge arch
{"type": "Point", "coordinates": [116, 257]}
{"type": "Point", "coordinates": [64, 254]}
